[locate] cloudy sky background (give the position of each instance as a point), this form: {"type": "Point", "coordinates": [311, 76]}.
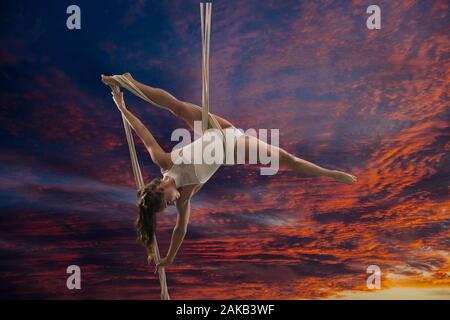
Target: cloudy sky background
{"type": "Point", "coordinates": [373, 103]}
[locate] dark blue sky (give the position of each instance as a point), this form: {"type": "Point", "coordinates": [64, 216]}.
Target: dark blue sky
{"type": "Point", "coordinates": [373, 103]}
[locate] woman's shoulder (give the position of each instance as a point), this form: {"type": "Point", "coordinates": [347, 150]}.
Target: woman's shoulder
{"type": "Point", "coordinates": [166, 164]}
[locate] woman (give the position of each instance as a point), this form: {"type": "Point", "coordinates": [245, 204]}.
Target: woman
{"type": "Point", "coordinates": [182, 179]}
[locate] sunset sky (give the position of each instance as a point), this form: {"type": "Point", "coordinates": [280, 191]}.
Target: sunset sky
{"type": "Point", "coordinates": [370, 102]}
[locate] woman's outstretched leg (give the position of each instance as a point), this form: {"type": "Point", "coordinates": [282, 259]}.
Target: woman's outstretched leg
{"type": "Point", "coordinates": [302, 166]}
{"type": "Point", "coordinates": [305, 167]}
{"type": "Point", "coordinates": [294, 163]}
{"type": "Point", "coordinates": [159, 96]}
{"type": "Point", "coordinates": [189, 112]}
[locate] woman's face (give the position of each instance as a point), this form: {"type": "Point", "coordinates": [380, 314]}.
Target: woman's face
{"type": "Point", "coordinates": [170, 193]}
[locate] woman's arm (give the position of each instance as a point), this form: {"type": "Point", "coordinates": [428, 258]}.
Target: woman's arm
{"type": "Point", "coordinates": [179, 231]}
{"type": "Point", "coordinates": [155, 150]}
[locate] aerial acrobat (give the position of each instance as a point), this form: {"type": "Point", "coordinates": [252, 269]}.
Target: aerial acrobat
{"type": "Point", "coordinates": [183, 176]}
{"type": "Point", "coordinates": [180, 182]}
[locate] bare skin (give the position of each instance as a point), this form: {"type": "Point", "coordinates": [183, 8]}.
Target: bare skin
{"type": "Point", "coordinates": [190, 113]}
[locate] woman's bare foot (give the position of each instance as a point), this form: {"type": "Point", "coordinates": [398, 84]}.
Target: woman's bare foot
{"type": "Point", "coordinates": [110, 81]}
{"type": "Point", "coordinates": [344, 177]}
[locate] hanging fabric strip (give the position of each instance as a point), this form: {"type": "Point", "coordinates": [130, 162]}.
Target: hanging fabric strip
{"type": "Point", "coordinates": [139, 185]}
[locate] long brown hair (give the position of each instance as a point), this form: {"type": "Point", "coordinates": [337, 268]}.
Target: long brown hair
{"type": "Point", "coordinates": [149, 203]}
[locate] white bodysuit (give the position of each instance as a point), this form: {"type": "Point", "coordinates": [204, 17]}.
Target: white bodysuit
{"type": "Point", "coordinates": [190, 167]}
